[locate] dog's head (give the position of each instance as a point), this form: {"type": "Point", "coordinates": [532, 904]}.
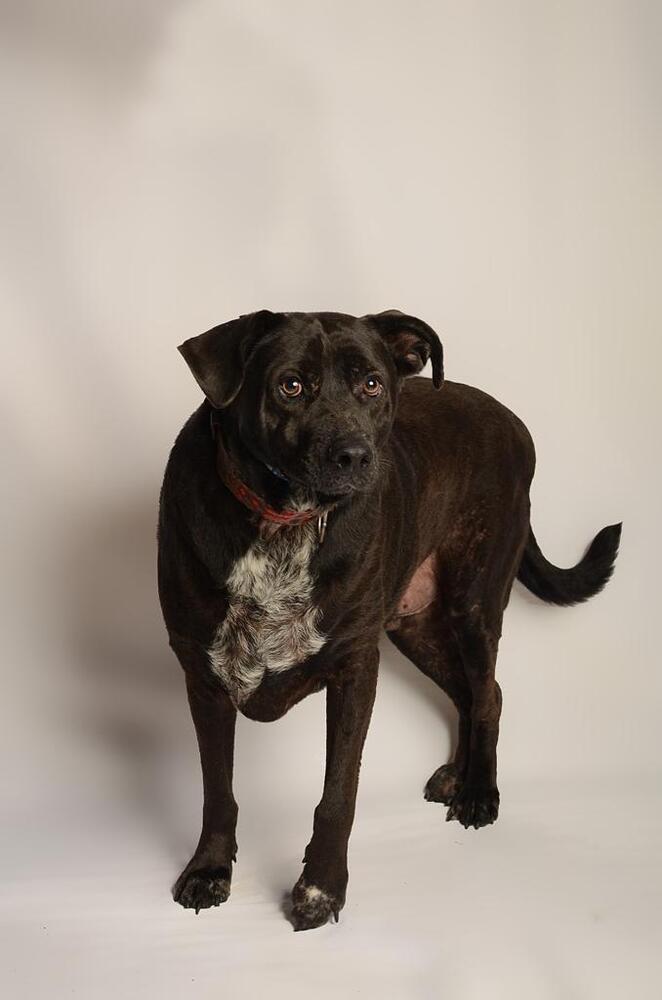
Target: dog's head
{"type": "Point", "coordinates": [313, 394]}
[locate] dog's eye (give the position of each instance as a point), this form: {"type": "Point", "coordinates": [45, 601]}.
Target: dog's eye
{"type": "Point", "coordinates": [290, 387]}
{"type": "Point", "coordinates": [372, 386]}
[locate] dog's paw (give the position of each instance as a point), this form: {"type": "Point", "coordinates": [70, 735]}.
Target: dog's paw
{"type": "Point", "coordinates": [199, 889]}
{"type": "Point", "coordinates": [443, 785]}
{"type": "Point", "coordinates": [312, 906]}
{"type": "Point", "coordinates": [474, 806]}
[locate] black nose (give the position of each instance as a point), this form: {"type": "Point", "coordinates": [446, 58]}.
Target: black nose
{"type": "Point", "coordinates": [349, 455]}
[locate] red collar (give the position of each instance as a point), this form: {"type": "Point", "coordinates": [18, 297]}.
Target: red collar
{"type": "Point", "coordinates": [252, 500]}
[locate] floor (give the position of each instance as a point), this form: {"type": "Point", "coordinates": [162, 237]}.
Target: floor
{"type": "Point", "coordinates": [559, 899]}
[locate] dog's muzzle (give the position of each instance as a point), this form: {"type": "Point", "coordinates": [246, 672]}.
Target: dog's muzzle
{"type": "Point", "coordinates": [345, 465]}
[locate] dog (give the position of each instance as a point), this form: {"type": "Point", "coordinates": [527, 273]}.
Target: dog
{"type": "Point", "coordinates": [324, 492]}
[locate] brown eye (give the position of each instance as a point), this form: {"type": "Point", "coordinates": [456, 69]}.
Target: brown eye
{"type": "Point", "coordinates": [290, 387]}
{"type": "Point", "coordinates": [372, 386]}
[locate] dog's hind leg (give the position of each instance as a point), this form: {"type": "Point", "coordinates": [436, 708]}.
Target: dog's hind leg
{"type": "Point", "coordinates": [477, 592]}
{"type": "Point", "coordinates": [476, 801]}
{"type": "Point", "coordinates": [459, 654]}
{"type": "Point", "coordinates": [429, 641]}
{"type": "Point", "coordinates": [454, 640]}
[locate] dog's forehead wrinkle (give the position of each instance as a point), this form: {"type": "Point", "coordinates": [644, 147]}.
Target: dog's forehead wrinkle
{"type": "Point", "coordinates": [358, 350]}
{"type": "Point", "coordinates": [317, 351]}
{"type": "Point", "coordinates": [316, 343]}
{"type": "Point", "coordinates": [302, 348]}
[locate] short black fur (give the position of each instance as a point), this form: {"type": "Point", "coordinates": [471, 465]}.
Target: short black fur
{"type": "Point", "coordinates": [425, 485]}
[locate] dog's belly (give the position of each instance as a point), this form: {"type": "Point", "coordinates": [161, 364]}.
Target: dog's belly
{"type": "Point", "coordinates": [271, 621]}
{"type": "Point", "coordinates": [419, 592]}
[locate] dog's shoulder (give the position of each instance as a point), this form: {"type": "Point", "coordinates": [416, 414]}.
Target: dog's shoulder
{"type": "Point", "coordinates": [192, 452]}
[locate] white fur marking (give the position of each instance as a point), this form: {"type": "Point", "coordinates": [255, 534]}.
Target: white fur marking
{"type": "Point", "coordinates": [271, 622]}
{"type": "Point", "coordinates": [313, 893]}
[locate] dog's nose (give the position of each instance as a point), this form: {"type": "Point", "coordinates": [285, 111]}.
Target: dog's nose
{"type": "Point", "coordinates": [349, 455]}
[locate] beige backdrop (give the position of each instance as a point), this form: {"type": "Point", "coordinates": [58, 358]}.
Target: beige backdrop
{"type": "Point", "coordinates": [492, 167]}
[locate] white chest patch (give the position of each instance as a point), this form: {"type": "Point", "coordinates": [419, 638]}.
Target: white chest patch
{"type": "Point", "coordinates": [271, 621]}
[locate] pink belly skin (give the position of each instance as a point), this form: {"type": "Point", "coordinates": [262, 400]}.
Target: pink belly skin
{"type": "Point", "coordinates": [420, 591]}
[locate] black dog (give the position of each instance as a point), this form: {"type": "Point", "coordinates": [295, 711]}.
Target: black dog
{"type": "Point", "coordinates": [314, 499]}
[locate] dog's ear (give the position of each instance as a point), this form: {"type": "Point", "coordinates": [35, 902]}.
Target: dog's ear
{"type": "Point", "coordinates": [218, 357]}
{"type": "Point", "coordinates": [411, 342]}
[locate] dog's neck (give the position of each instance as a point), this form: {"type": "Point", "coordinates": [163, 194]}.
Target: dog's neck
{"type": "Point", "coordinates": [270, 497]}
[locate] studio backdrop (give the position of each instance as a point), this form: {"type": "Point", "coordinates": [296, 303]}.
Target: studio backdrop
{"type": "Point", "coordinates": [492, 168]}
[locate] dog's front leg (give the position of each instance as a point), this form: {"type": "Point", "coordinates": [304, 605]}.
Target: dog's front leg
{"type": "Point", "coordinates": [206, 879]}
{"type": "Point", "coordinates": [320, 891]}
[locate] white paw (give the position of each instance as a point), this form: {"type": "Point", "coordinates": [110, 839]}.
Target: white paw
{"type": "Point", "coordinates": [312, 906]}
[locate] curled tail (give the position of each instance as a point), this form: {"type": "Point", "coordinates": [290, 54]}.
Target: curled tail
{"type": "Point", "coordinates": [570, 586]}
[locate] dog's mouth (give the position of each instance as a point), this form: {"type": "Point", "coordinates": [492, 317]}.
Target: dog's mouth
{"type": "Point", "coordinates": [324, 494]}
{"type": "Point", "coordinates": [309, 479]}
{"type": "Point", "coordinates": [327, 498]}
{"type": "Point", "coordinates": [332, 491]}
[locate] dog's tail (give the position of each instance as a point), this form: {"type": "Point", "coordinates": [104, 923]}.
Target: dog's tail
{"type": "Point", "coordinates": [570, 586]}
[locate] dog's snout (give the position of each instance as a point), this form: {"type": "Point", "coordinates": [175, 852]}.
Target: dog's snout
{"type": "Point", "coordinates": [349, 455]}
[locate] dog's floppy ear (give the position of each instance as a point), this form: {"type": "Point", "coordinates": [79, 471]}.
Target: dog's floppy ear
{"type": "Point", "coordinates": [412, 343]}
{"type": "Point", "coordinates": [218, 357]}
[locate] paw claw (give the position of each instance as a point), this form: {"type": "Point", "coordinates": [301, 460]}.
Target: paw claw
{"type": "Point", "coordinates": [201, 889]}
{"type": "Point", "coordinates": [474, 807]}
{"type": "Point", "coordinates": [312, 907]}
